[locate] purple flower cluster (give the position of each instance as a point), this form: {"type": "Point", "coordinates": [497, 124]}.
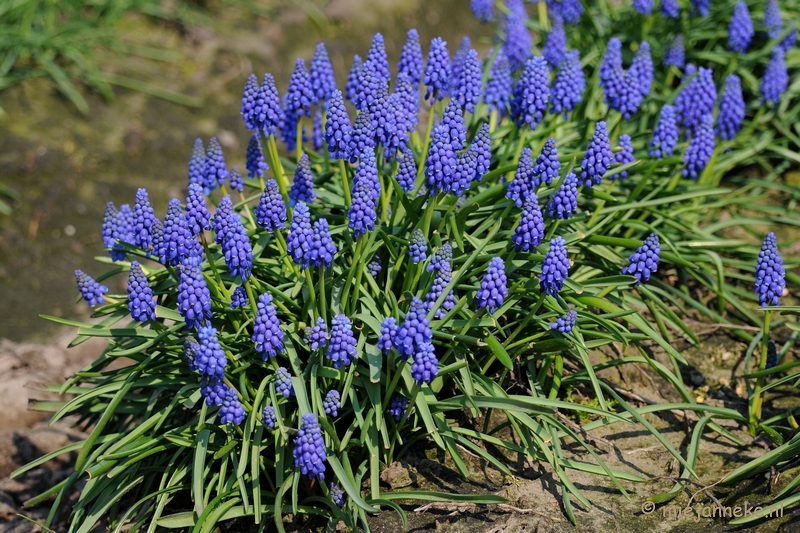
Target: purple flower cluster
{"type": "Point", "coordinates": [231, 410]}
{"type": "Point", "coordinates": [397, 406]}
{"type": "Point", "coordinates": [332, 403]}
{"type": "Point", "coordinates": [547, 164]}
{"type": "Point", "coordinates": [497, 95]}
{"type": "Point", "coordinates": [770, 274]}
{"type": "Point", "coordinates": [675, 54]}
{"type": "Point", "coordinates": [337, 127]}
{"type": "Point", "coordinates": [267, 332]}
{"type": "Point", "coordinates": [342, 344]}
{"type": "Point", "coordinates": [740, 32]}
{"type": "Point", "coordinates": [210, 360]}
{"type": "Point", "coordinates": [268, 417]}
{"type": "Point", "coordinates": [565, 201]}
{"type": "Point", "coordinates": [283, 382]}
{"type": "Point", "coordinates": [194, 298]}
{"type": "Point", "coordinates": [317, 335]}
{"type": "Point", "coordinates": [410, 64]}
{"type": "Point", "coordinates": [530, 230]}
{"type": "Point", "coordinates": [426, 365]}
{"type": "Point", "coordinates": [197, 215]}
{"type": "Point", "coordinates": [696, 100]}
{"type": "Point", "coordinates": [625, 155]}
{"type": "Point", "coordinates": [216, 172]}
{"type": "Point", "coordinates": [303, 185]}
{"type": "Point", "coordinates": [387, 335]}
{"type": "Point", "coordinates": [644, 261]}
{"type": "Point", "coordinates": [494, 287]}
{"type": "Point", "coordinates": [300, 94]}
{"type": "Point", "coordinates": [555, 268]}
{"type": "Point", "coordinates": [437, 70]}
{"type": "Point", "coordinates": [239, 298]}
{"type": "Point", "coordinates": [776, 78]}
{"type": "Point", "coordinates": [523, 183]}
{"type": "Point", "coordinates": [701, 147]}
{"type": "Point", "coordinates": [598, 157]}
{"type": "Point", "coordinates": [565, 322]}
{"type": "Point", "coordinates": [415, 330]}
{"type": "Point", "coordinates": [321, 77]}
{"type": "Point", "coordinates": [531, 93]}
{"type": "Point", "coordinates": [555, 45]}
{"type": "Point", "coordinates": [568, 87]}
{"type": "Point", "coordinates": [731, 108]}
{"type": "Point", "coordinates": [309, 448]}
{"type": "Point", "coordinates": [271, 210]}
{"type": "Point", "coordinates": [144, 220]}
{"type": "Point", "coordinates": [90, 290]}
{"type": "Point", "coordinates": [665, 136]}
{"type": "Point", "coordinates": [140, 296]}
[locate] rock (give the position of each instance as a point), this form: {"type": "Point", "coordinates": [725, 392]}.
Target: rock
{"type": "Point", "coordinates": [398, 475]}
{"type": "Point", "coordinates": [8, 508]}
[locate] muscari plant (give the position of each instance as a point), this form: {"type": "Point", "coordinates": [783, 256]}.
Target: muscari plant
{"type": "Point", "coordinates": [281, 341]}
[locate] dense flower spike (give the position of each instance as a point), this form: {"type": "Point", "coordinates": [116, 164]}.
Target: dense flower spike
{"type": "Point", "coordinates": [697, 99]}
{"type": "Point", "coordinates": [332, 403]}
{"type": "Point", "coordinates": [770, 274]}
{"type": "Point", "coordinates": [700, 148]}
{"type": "Point", "coordinates": [565, 201]}
{"type": "Point", "coordinates": [351, 86]}
{"type": "Point", "coordinates": [337, 127]}
{"type": "Point", "coordinates": [464, 173]}
{"type": "Point", "coordinates": [366, 191]}
{"type": "Point", "coordinates": [216, 171]}
{"type": "Point", "coordinates": [321, 77]}
{"type": "Point", "coordinates": [740, 32]}
{"type": "Point", "coordinates": [342, 344]}
{"type": "Point", "coordinates": [197, 165]}
{"type": "Point", "coordinates": [377, 56]}
{"type": "Point", "coordinates": [437, 70]}
{"type": "Point", "coordinates": [255, 164]}
{"type": "Point", "coordinates": [530, 230]}
{"type": "Point", "coordinates": [731, 108]}
{"type": "Point", "coordinates": [267, 332]}
{"type": "Point", "coordinates": [612, 63]}
{"type": "Point", "coordinates": [317, 335]}
{"type": "Point", "coordinates": [468, 92]}
{"type": "Point", "coordinates": [457, 64]}
{"type": "Point", "coordinates": [676, 55]}
{"type": "Point", "coordinates": [407, 169]}
{"type": "Point", "coordinates": [194, 298]}
{"type": "Point", "coordinates": [523, 182]}
{"type": "Point", "coordinates": [670, 9]}
{"type": "Point", "coordinates": [414, 331]}
{"type": "Point", "coordinates": [555, 45]}
{"type": "Point", "coordinates": [362, 138]}
{"type": "Point", "coordinates": [410, 63]}
{"type": "Point", "coordinates": [268, 417]}
{"type": "Point", "coordinates": [178, 241]}
{"type": "Point", "coordinates": [322, 248]}
{"type": "Point", "coordinates": [788, 42]}
{"type": "Point", "coordinates": [547, 164]}
{"type": "Point", "coordinates": [645, 7]}
{"type": "Point", "coordinates": [417, 248]}
{"type": "Point", "coordinates": [642, 68]}
{"type": "Point", "coordinates": [336, 494]}
{"type": "Point", "coordinates": [157, 233]}
{"type": "Point", "coordinates": [624, 156]}
{"type": "Point", "coordinates": [597, 158]}
{"type": "Point", "coordinates": [301, 235]}
{"type": "Point", "coordinates": [441, 259]}
{"type": "Point", "coordinates": [482, 148]}
{"type": "Point", "coordinates": [388, 332]}
{"type": "Point", "coordinates": [665, 137]}
{"type": "Point", "coordinates": [497, 95]}
{"type": "Point", "coordinates": [197, 215]}
{"type": "Point", "coordinates": [405, 100]}
{"type": "Point", "coordinates": [374, 267]}
{"type": "Point", "coordinates": [271, 211]}
{"type": "Point", "coordinates": [772, 18]}
{"type": "Point", "coordinates": [627, 96]}
{"type": "Point", "coordinates": [144, 218]}
{"type": "Point", "coordinates": [531, 93]}
{"type": "Point", "coordinates": [453, 122]}
{"type": "Point", "coordinates": [425, 366]}
{"type": "Point", "coordinates": [191, 349]}
{"type": "Point", "coordinates": [91, 291]}
{"type": "Point", "coordinates": [441, 162]}
{"type": "Point", "coordinates": [211, 360]}
{"type": "Point", "coordinates": [141, 303]}
{"type": "Point", "coordinates": [568, 87]}
{"type": "Point", "coordinates": [267, 112]}
{"type": "Point", "coordinates": [644, 261]}
{"type": "Point", "coordinates": [382, 114]}
{"type": "Point", "coordinates": [283, 382]}
{"type": "Point", "coordinates": [701, 7]}
{"type": "Point", "coordinates": [213, 390]}
{"type": "Point", "coordinates": [236, 248]}
{"type": "Point", "coordinates": [518, 41]}
{"type": "Point", "coordinates": [555, 268]}
{"type": "Point", "coordinates": [570, 10]}
{"type": "Point", "coordinates": [565, 322]}
{"type": "Point", "coordinates": [239, 298]}
{"type": "Point", "coordinates": [440, 281]}
{"type": "Point", "coordinates": [303, 185]}
{"type": "Point", "coordinates": [482, 9]}
{"type": "Point", "coordinates": [309, 448]}
{"type": "Point", "coordinates": [316, 131]}
{"type": "Point", "coordinates": [494, 287]}
{"type": "Point", "coordinates": [115, 228]}
{"type": "Point", "coordinates": [231, 410]}
{"type": "Point", "coordinates": [300, 94]}
{"type": "Point", "coordinates": [288, 126]}
{"type": "Point", "coordinates": [397, 406]}
{"type": "Point", "coordinates": [249, 99]}
{"type": "Point", "coordinates": [776, 78]}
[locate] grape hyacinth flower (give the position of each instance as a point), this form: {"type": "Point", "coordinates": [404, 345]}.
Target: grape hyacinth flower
{"type": "Point", "coordinates": [239, 298]}
{"type": "Point", "coordinates": [642, 68]}
{"type": "Point", "coordinates": [665, 137]}
{"type": "Point", "coordinates": [317, 335]}
{"type": "Point", "coordinates": [267, 112]}
{"type": "Point", "coordinates": [322, 248]}
{"type": "Point", "coordinates": [249, 99]}
{"type": "Point", "coordinates": [309, 448]}
{"type": "Point", "coordinates": [374, 267]}
{"type": "Point", "coordinates": [362, 138]}
{"type": "Point", "coordinates": [555, 268]}
{"type": "Point", "coordinates": [571, 11]}
{"type": "Point", "coordinates": [255, 163]}
{"type": "Point", "coordinates": [770, 274]}
{"type": "Point", "coordinates": [740, 31]}
{"type": "Point", "coordinates": [194, 298]}
{"type": "Point", "coordinates": [231, 410]}
{"type": "Point", "coordinates": [494, 287]}
{"type": "Point", "coordinates": [482, 148]}
{"type": "Point", "coordinates": [388, 332]}
{"type": "Point", "coordinates": [441, 162]}
{"type": "Point", "coordinates": [368, 85]}
{"type": "Point", "coordinates": [397, 406]}
{"type": "Point", "coordinates": [115, 228]}
{"type": "Point", "coordinates": [457, 64]}
{"type": "Point", "coordinates": [141, 303]}
{"type": "Point", "coordinates": [497, 95]}
{"type": "Point", "coordinates": [565, 201]}
{"type": "Point", "coordinates": [568, 87]}
{"type": "Point", "coordinates": [303, 185]}
{"type": "Point", "coordinates": [236, 248]}
{"type": "Point", "coordinates": [417, 248]}
{"type": "Point", "coordinates": [366, 192]}
{"type": "Point", "coordinates": [644, 261]}
{"type": "Point", "coordinates": [211, 360]}
{"type": "Point", "coordinates": [268, 417]}
{"type": "Point", "coordinates": [530, 230]}
{"type": "Point", "coordinates": [321, 77]}
{"type": "Point", "coordinates": [342, 344]}
{"type": "Point", "coordinates": [624, 156]}
{"type": "Point", "coordinates": [288, 126]}
{"type": "Point", "coordinates": [440, 281]}
{"type": "Point", "coordinates": [565, 322]}
{"type": "Point", "coordinates": [237, 181]}
{"type": "Point", "coordinates": [518, 42]}
{"type": "Point", "coordinates": [731, 108]}
{"type": "Point", "coordinates": [191, 348]}
{"type": "Point", "coordinates": [468, 91]}
{"type": "Point", "coordinates": [425, 366]}
{"type": "Point", "coordinates": [316, 131]}
{"type": "Point", "coordinates": [267, 332]}
{"type": "Point", "coordinates": [441, 259]}
{"type": "Point", "coordinates": [301, 235]}
{"type": "Point", "coordinates": [547, 164]}
{"type": "Point", "coordinates": [332, 403]}
{"type": "Point", "coordinates": [405, 100]}
{"type": "Point", "coordinates": [776, 78]}
{"type": "Point", "coordinates": [157, 233]}
{"type": "Point", "coordinates": [90, 290]}
{"type": "Point", "coordinates": [788, 42]}
{"type": "Point", "coordinates": [437, 70]}
{"type": "Point", "coordinates": [351, 85]}
{"type": "Point", "coordinates": [701, 7]}
{"type": "Point", "coordinates": [700, 148]}
{"type": "Point", "coordinates": [216, 171]}
{"type": "Point", "coordinates": [675, 55]}
{"type": "Point", "coordinates": [482, 9]}
{"type": "Point", "coordinates": [271, 211]}
{"type": "Point", "coordinates": [382, 115]}
{"type": "Point", "coordinates": [407, 170]}
{"type": "Point", "coordinates": [531, 93]}
{"type": "Point", "coordinates": [336, 494]}
{"type": "Point", "coordinates": [464, 173]}
{"type": "Point", "coordinates": [410, 63]}
{"type": "Point", "coordinates": [696, 100]}
{"type": "Point", "coordinates": [453, 123]}
{"type": "Point", "coordinates": [555, 44]}
{"type": "Point", "coordinates": [626, 96]}
{"type": "Point", "coordinates": [377, 56]}
{"type": "Point", "coordinates": [670, 9]}
{"type": "Point", "coordinates": [772, 18]}
{"type": "Point", "coordinates": [523, 182]}
{"type": "Point", "coordinates": [178, 241]}
{"type": "Point", "coordinates": [337, 127]}
{"type": "Point", "coordinates": [144, 218]}
{"type": "Point", "coordinates": [414, 331]}
{"type": "Point", "coordinates": [611, 67]}
{"type": "Point", "coordinates": [197, 165]}
{"type": "Point", "coordinates": [645, 7]}
{"type": "Point", "coordinates": [213, 390]}
{"type": "Point", "coordinates": [283, 382]}
{"type": "Point", "coordinates": [597, 158]}
{"type": "Point", "coordinates": [300, 94]}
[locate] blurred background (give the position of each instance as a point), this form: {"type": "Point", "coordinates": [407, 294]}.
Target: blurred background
{"type": "Point", "coordinates": [101, 97]}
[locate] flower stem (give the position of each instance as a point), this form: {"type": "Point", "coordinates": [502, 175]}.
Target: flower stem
{"type": "Point", "coordinates": [312, 292]}
{"type": "Point", "coordinates": [299, 138]}
{"type": "Point", "coordinates": [277, 167]}
{"type": "Point", "coordinates": [345, 184]}
{"type": "Point", "coordinates": [757, 400]}
{"type": "Point", "coordinates": [323, 305]}
{"type": "Point", "coordinates": [251, 298]}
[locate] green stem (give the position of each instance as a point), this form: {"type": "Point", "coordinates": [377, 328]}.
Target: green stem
{"type": "Point", "coordinates": [251, 298]}
{"type": "Point", "coordinates": [600, 205]}
{"type": "Point", "coordinates": [353, 265]}
{"type": "Point", "coordinates": [299, 138]}
{"type": "Point", "coordinates": [345, 184]}
{"type": "Point", "coordinates": [277, 167]}
{"type": "Point", "coordinates": [425, 146]}
{"type": "Point", "coordinates": [312, 292]}
{"type": "Point", "coordinates": [247, 211]}
{"type": "Point", "coordinates": [323, 305]}
{"type": "Point", "coordinates": [284, 249]}
{"type": "Point", "coordinates": [757, 399]}
{"type": "Point", "coordinates": [518, 152]}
